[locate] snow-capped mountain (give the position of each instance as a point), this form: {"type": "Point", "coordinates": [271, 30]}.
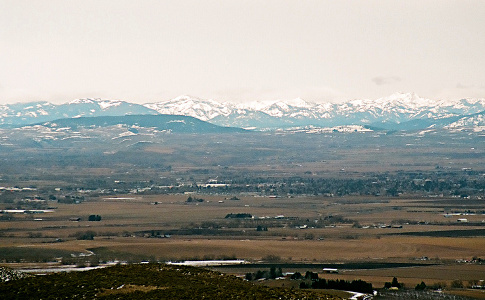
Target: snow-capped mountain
{"type": "Point", "coordinates": [476, 122]}
{"type": "Point", "coordinates": [35, 112]}
{"type": "Point", "coordinates": [204, 110]}
{"type": "Point", "coordinates": [398, 111]}
{"type": "Point", "coordinates": [395, 109]}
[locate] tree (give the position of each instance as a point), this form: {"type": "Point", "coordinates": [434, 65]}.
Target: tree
{"type": "Point", "coordinates": [420, 287]}
{"type": "Point", "coordinates": [311, 275]}
{"type": "Point", "coordinates": [261, 228]}
{"type": "Point", "coordinates": [259, 274]}
{"type": "Point", "coordinates": [94, 218]}
{"type": "Point", "coordinates": [395, 283]}
{"type": "Point", "coordinates": [279, 272]}
{"type": "Point", "coordinates": [272, 272]}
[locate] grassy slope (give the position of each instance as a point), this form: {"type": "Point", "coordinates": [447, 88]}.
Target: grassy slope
{"type": "Point", "coordinates": [145, 281]}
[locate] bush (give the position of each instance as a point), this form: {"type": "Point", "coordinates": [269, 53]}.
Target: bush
{"type": "Point", "coordinates": [190, 199]}
{"type": "Point", "coordinates": [238, 216]}
{"type": "Point", "coordinates": [261, 228]}
{"type": "Point", "coordinates": [421, 286]}
{"type": "Point", "coordinates": [94, 218]}
{"type": "Point", "coordinates": [439, 286]}
{"type": "Point", "coordinates": [84, 235]}
{"type": "Point", "coordinates": [271, 258]}
{"type": "Point", "coordinates": [457, 284]}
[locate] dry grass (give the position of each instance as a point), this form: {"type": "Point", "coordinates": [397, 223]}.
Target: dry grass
{"type": "Point", "coordinates": [475, 294]}
{"type": "Point", "coordinates": [126, 289]}
{"type": "Point", "coordinates": [342, 243]}
{"type": "Point", "coordinates": [414, 275]}
{"type": "Point", "coordinates": [337, 250]}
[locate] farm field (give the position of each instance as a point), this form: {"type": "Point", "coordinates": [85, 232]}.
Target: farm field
{"type": "Point", "coordinates": [352, 229]}
{"type": "Point", "coordinates": [415, 212]}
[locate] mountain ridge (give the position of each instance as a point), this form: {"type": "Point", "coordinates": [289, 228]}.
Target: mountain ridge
{"type": "Point", "coordinates": [171, 123]}
{"type": "Point", "coordinates": [398, 109]}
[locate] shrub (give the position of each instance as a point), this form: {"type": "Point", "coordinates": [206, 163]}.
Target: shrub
{"type": "Point", "coordinates": [271, 258]}
{"type": "Point", "coordinates": [84, 235]}
{"type": "Point", "coordinates": [420, 287]}
{"type": "Point", "coordinates": [94, 218]}
{"type": "Point", "coordinates": [457, 284]}
{"type": "Point", "coordinates": [238, 216]}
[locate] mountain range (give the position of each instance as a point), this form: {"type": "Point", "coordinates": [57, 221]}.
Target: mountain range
{"type": "Point", "coordinates": [399, 111]}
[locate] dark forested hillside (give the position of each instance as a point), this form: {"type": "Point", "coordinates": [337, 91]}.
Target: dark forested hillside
{"type": "Point", "coordinates": [180, 124]}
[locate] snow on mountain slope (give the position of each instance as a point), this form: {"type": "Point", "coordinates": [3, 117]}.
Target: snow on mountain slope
{"type": "Point", "coordinates": [34, 112]}
{"type": "Point", "coordinates": [475, 122]}
{"type": "Point", "coordinates": [398, 108]}
{"type": "Point", "coordinates": [189, 106]}
{"type": "Point", "coordinates": [292, 109]}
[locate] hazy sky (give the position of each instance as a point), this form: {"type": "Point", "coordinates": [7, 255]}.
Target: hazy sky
{"type": "Point", "coordinates": [147, 51]}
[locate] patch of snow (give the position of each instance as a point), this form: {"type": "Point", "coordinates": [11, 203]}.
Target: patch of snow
{"type": "Point", "coordinates": [82, 101]}
{"type": "Point", "coordinates": [105, 104]}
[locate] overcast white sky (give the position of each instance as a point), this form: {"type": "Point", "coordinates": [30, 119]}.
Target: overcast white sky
{"type": "Point", "coordinates": [147, 51]}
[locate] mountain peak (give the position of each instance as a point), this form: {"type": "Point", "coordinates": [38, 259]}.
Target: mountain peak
{"type": "Point", "coordinates": [406, 98]}
{"type": "Point", "coordinates": [185, 97]}
{"type": "Point", "coordinates": [298, 102]}
{"type": "Point", "coordinates": [83, 101]}
{"type": "Point", "coordinates": [191, 106]}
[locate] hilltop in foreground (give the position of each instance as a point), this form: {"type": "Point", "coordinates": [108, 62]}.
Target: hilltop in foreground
{"type": "Point", "coordinates": [145, 281]}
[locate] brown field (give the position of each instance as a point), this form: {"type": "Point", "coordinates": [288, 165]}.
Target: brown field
{"type": "Point", "coordinates": [414, 275]}
{"type": "Point", "coordinates": [125, 216]}
{"type": "Point", "coordinates": [392, 248]}
{"type": "Point", "coordinates": [354, 218]}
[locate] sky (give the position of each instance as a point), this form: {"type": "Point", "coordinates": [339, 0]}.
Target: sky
{"type": "Point", "coordinates": [238, 51]}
